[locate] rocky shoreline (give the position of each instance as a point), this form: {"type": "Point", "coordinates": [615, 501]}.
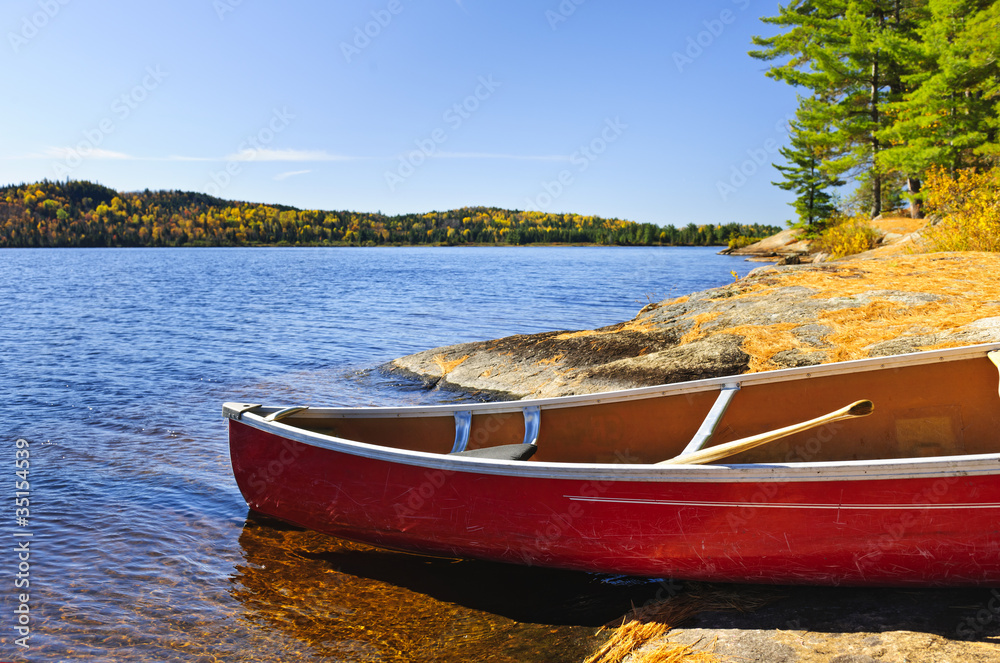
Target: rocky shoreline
{"type": "Point", "coordinates": [881, 303]}
{"type": "Point", "coordinates": [776, 317]}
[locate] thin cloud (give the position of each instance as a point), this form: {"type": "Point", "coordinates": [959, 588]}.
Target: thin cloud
{"type": "Point", "coordinates": [272, 155]}
{"type": "Point", "coordinates": [89, 153]}
{"type": "Point", "coordinates": [493, 155]}
{"type": "Point", "coordinates": [263, 154]}
{"type": "Point", "coordinates": [266, 154]}
{"type": "Point", "coordinates": [291, 173]}
{"type": "Point", "coordinates": [177, 157]}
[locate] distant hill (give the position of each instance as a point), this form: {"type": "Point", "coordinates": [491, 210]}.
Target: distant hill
{"type": "Point", "coordinates": [85, 214]}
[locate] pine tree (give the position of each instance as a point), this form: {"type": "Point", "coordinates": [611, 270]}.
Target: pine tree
{"type": "Point", "coordinates": [805, 176]}
{"type": "Point", "coordinates": [835, 49]}
{"type": "Point", "coordinates": [947, 115]}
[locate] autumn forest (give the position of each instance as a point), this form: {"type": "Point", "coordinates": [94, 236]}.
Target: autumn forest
{"type": "Point", "coordinates": [84, 214]}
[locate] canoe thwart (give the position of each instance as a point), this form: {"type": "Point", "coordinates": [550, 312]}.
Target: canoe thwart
{"type": "Point", "coordinates": [707, 428]}
{"type": "Point", "coordinates": [523, 451]}
{"type": "Point", "coordinates": [857, 409]}
{"type": "Point", "coordinates": [463, 423]}
{"type": "Point", "coordinates": [286, 412]}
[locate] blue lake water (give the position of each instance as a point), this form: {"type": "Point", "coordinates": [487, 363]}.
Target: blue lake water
{"type": "Point", "coordinates": [113, 367]}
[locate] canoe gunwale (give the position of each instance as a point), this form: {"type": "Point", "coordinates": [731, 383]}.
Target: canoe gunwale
{"type": "Point", "coordinates": [896, 468]}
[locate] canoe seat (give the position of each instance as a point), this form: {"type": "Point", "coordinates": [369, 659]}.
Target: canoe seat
{"type": "Point", "coordinates": [502, 452]}
{"type": "Point", "coordinates": [463, 424]}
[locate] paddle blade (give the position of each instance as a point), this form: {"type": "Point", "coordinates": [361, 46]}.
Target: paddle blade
{"type": "Point", "coordinates": [861, 409]}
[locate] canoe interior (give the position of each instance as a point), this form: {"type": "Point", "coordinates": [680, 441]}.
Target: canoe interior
{"type": "Point", "coordinates": [942, 408]}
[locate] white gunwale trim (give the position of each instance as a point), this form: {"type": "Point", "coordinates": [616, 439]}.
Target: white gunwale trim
{"type": "Point", "coordinates": [677, 388]}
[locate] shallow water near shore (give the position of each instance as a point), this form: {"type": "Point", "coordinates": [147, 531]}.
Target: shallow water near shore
{"type": "Point", "coordinates": [113, 367]}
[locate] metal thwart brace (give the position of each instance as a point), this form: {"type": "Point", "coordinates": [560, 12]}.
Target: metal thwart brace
{"type": "Point", "coordinates": [532, 420]}
{"type": "Point", "coordinates": [707, 428]}
{"type": "Point", "coordinates": [463, 424]}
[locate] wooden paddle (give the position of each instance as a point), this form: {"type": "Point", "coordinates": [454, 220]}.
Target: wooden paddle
{"type": "Point", "coordinates": [858, 409]}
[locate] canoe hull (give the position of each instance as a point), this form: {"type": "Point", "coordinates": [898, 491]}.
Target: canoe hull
{"type": "Point", "coordinates": [935, 524]}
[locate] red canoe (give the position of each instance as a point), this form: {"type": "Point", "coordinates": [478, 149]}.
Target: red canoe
{"type": "Point", "coordinates": [909, 495]}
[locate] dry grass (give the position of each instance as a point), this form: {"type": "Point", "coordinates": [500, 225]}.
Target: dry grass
{"type": "Point", "coordinates": [965, 283]}
{"type": "Point", "coordinates": [668, 652]}
{"type": "Point", "coordinates": [626, 639]}
{"type": "Point", "coordinates": [448, 366]}
{"type": "Point", "coordinates": [902, 225]}
{"type": "Point", "coordinates": [761, 342]}
{"type": "Point", "coordinates": [645, 624]}
{"type": "Point", "coordinates": [642, 325]}
{"type": "Point", "coordinates": [696, 332]}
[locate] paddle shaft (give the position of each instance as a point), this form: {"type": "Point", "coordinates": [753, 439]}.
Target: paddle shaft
{"type": "Point", "coordinates": [857, 409]}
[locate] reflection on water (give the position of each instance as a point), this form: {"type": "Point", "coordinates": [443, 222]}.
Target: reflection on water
{"type": "Point", "coordinates": [353, 602]}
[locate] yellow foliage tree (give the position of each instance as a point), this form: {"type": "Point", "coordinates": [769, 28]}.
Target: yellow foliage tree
{"type": "Point", "coordinates": [849, 236]}
{"type": "Point", "coordinates": [969, 204]}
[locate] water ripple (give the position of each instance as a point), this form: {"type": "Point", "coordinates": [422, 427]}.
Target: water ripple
{"type": "Point", "coordinates": [114, 365]}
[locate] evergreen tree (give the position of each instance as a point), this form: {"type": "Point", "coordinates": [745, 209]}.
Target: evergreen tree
{"type": "Point", "coordinates": [835, 49]}
{"type": "Point", "coordinates": [947, 115]}
{"type": "Point", "coordinates": [805, 176]}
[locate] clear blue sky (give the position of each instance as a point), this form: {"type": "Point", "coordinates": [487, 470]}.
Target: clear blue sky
{"type": "Point", "coordinates": [638, 110]}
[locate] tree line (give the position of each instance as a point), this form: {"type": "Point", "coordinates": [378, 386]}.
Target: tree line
{"type": "Point", "coordinates": [85, 214]}
{"type": "Point", "coordinates": [891, 91]}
